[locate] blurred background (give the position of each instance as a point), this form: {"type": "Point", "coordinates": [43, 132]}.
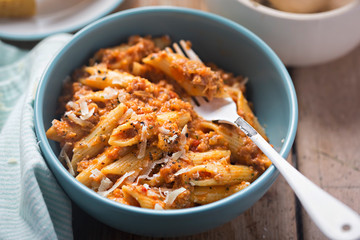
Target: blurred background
{"type": "Point", "coordinates": [318, 40]}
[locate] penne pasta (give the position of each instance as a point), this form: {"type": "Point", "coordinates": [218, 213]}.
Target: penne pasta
{"type": "Point", "coordinates": [244, 110]}
{"type": "Point", "coordinates": [101, 79]}
{"type": "Point", "coordinates": [125, 135]}
{"type": "Point", "coordinates": [146, 198]}
{"type": "Point", "coordinates": [84, 176]}
{"type": "Point", "coordinates": [133, 137]}
{"type": "Point", "coordinates": [62, 131]}
{"type": "Point", "coordinates": [193, 76]}
{"type": "Point", "coordinates": [211, 156]}
{"type": "Point", "coordinates": [205, 195]}
{"type": "Point", "coordinates": [216, 174]}
{"type": "Point", "coordinates": [123, 165]}
{"type": "Point", "coordinates": [95, 142]}
{"type": "Point", "coordinates": [181, 119]}
{"type": "Point", "coordinates": [99, 163]}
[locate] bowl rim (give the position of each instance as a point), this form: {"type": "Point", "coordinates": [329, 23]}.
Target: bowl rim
{"type": "Point", "coordinates": [269, 174]}
{"type": "Point", "coordinates": [299, 16]}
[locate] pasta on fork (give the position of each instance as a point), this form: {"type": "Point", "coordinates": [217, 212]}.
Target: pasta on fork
{"type": "Point", "coordinates": [129, 133]}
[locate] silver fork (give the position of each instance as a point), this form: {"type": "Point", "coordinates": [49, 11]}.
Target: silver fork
{"type": "Point", "coordinates": [334, 219]}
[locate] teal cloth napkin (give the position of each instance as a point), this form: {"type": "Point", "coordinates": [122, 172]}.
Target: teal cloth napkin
{"type": "Point", "coordinates": [32, 204]}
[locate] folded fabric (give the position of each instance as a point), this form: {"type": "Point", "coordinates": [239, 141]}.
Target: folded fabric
{"type": "Point", "coordinates": [32, 204]}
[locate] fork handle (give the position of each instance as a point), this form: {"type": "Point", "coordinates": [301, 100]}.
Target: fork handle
{"type": "Point", "coordinates": [334, 219]}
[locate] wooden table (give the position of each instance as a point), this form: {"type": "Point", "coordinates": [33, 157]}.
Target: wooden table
{"type": "Point", "coordinates": [326, 150]}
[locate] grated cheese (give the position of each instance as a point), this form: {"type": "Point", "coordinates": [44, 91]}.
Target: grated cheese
{"type": "Point", "coordinates": [176, 155]}
{"type": "Point", "coordinates": [110, 93]}
{"type": "Point", "coordinates": [245, 81]}
{"type": "Point", "coordinates": [116, 185]}
{"type": "Point", "coordinates": [181, 171]}
{"type": "Point", "coordinates": [119, 79]}
{"type": "Point", "coordinates": [173, 138]}
{"type": "Point", "coordinates": [139, 178]}
{"type": "Point", "coordinates": [150, 167]}
{"type": "Point", "coordinates": [85, 113]}
{"type": "Point", "coordinates": [183, 136]}
{"type": "Point", "coordinates": [164, 130]}
{"type": "Point", "coordinates": [158, 207]}
{"type": "Point", "coordinates": [170, 198]}
{"type": "Point", "coordinates": [122, 96]}
{"type": "Point", "coordinates": [142, 146]}
{"type": "Point", "coordinates": [77, 120]}
{"type": "Point", "coordinates": [72, 104]}
{"type": "Point", "coordinates": [63, 158]}
{"type": "Point", "coordinates": [96, 76]}
{"type": "Point", "coordinates": [160, 161]}
{"type": "Point", "coordinates": [163, 194]}
{"type": "Point", "coordinates": [182, 152]}
{"type": "Point", "coordinates": [105, 184]}
{"type": "Point", "coordinates": [129, 112]}
{"type": "Point", "coordinates": [152, 194]}
{"type": "Point", "coordinates": [132, 178]}
{"type": "Point", "coordinates": [95, 173]}
{"type": "Point", "coordinates": [84, 108]}
{"type": "Point", "coordinates": [145, 177]}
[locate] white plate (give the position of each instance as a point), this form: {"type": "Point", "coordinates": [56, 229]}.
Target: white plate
{"type": "Point", "coordinates": [54, 16]}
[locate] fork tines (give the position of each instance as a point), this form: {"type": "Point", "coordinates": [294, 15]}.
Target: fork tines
{"type": "Point", "coordinates": [199, 100]}
{"type": "Point", "coordinates": [185, 48]}
{"type": "Point", "coordinates": [195, 101]}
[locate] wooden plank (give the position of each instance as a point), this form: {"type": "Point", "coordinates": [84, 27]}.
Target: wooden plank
{"type": "Point", "coordinates": [328, 134]}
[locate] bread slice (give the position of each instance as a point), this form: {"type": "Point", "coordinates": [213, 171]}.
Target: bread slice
{"type": "Point", "coordinates": [17, 8]}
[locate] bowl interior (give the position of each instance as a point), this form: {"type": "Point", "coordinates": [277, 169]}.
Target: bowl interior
{"type": "Point", "coordinates": [216, 40]}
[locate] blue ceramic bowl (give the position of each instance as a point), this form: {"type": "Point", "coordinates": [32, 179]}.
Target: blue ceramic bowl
{"type": "Point", "coordinates": [215, 39]}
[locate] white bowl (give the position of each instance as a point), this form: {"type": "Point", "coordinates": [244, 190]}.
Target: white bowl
{"type": "Point", "coordinates": [298, 39]}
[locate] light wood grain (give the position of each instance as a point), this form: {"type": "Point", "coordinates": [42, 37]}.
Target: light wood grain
{"type": "Point", "coordinates": [328, 133]}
